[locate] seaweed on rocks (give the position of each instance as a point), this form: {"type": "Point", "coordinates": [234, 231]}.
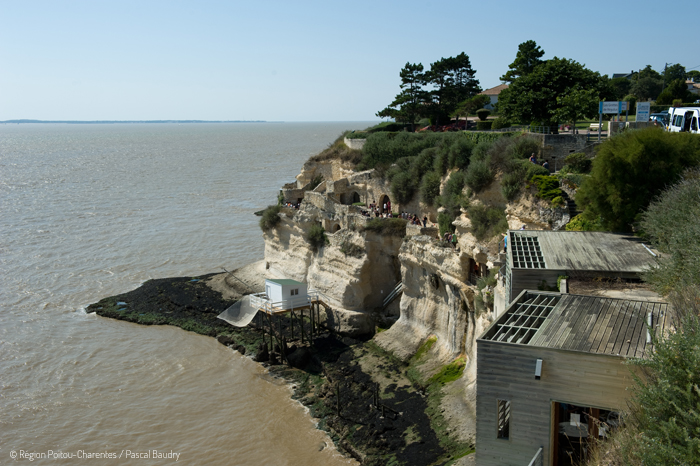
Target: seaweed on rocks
{"type": "Point", "coordinates": [360, 395]}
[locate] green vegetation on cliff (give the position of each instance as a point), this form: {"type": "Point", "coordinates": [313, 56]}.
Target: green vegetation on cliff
{"type": "Point", "coordinates": [632, 168]}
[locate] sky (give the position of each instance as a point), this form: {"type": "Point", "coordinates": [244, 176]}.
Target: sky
{"type": "Point", "coordinates": [296, 60]}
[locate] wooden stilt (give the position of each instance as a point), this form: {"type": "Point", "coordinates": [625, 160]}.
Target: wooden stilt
{"type": "Point", "coordinates": [337, 398]}
{"type": "Point", "coordinates": [301, 324]}
{"type": "Point", "coordinates": [291, 323]}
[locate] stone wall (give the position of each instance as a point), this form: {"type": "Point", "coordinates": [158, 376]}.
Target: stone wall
{"type": "Point", "coordinates": [615, 127]}
{"type": "Point", "coordinates": [357, 144]}
{"type": "Point", "coordinates": [555, 147]}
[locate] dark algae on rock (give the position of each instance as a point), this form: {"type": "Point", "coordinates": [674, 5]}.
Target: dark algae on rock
{"type": "Point", "coordinates": [360, 394]}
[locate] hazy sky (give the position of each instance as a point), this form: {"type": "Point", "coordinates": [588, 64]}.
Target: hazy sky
{"type": "Point", "coordinates": [297, 61]}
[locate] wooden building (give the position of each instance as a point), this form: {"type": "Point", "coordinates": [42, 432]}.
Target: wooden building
{"type": "Point", "coordinates": [283, 295]}
{"type": "Point", "coordinates": [551, 374]}
{"type": "Point", "coordinates": [535, 259]}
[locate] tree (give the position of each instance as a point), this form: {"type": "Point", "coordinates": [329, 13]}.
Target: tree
{"type": "Point", "coordinates": [471, 105]}
{"type": "Point", "coordinates": [630, 169]}
{"type": "Point", "coordinates": [694, 74]}
{"type": "Point", "coordinates": [407, 103]}
{"type": "Point", "coordinates": [676, 90]}
{"type": "Point", "coordinates": [453, 81]}
{"type": "Point", "coordinates": [674, 72]}
{"type": "Point", "coordinates": [576, 105]}
{"type": "Point", "coordinates": [533, 97]}
{"type": "Point", "coordinates": [646, 88]}
{"type": "Point", "coordinates": [528, 57]}
{"type": "Point", "coordinates": [649, 72]}
{"type": "Point", "coordinates": [621, 87]}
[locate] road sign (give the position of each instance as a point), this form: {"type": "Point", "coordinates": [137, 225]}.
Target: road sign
{"type": "Point", "coordinates": [643, 111]}
{"type": "Point", "coordinates": [612, 107]}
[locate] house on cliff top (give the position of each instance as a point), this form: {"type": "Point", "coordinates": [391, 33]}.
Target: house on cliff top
{"type": "Point", "coordinates": [551, 374]}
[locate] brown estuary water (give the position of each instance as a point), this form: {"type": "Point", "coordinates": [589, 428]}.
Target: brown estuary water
{"type": "Point", "coordinates": [89, 211]}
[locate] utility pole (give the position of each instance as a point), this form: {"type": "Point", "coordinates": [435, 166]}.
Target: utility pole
{"type": "Point", "coordinates": [663, 86]}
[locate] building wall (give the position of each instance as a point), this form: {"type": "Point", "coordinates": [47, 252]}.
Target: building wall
{"type": "Point", "coordinates": [507, 371]}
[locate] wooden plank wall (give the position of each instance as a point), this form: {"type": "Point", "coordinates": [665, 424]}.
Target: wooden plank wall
{"type": "Point", "coordinates": [506, 371]}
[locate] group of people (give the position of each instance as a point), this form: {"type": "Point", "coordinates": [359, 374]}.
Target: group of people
{"type": "Point", "coordinates": [413, 219]}
{"type": "Point", "coordinates": [533, 159]}
{"type": "Point", "coordinates": [292, 205]}
{"type": "Point", "coordinates": [451, 239]}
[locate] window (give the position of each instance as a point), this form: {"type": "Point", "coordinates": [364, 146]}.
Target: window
{"type": "Point", "coordinates": [503, 419]}
{"type": "Point", "coordinates": [294, 292]}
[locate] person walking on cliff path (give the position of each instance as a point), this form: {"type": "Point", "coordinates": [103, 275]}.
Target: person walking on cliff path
{"type": "Point", "coordinates": [425, 221]}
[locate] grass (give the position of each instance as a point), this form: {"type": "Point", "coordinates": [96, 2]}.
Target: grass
{"type": "Point", "coordinates": [387, 226]}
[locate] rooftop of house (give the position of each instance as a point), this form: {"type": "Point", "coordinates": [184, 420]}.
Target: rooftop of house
{"type": "Point", "coordinates": [590, 324]}
{"type": "Point", "coordinates": [578, 251]}
{"type": "Point", "coordinates": [285, 282]}
{"type": "Point", "coordinates": [494, 90]}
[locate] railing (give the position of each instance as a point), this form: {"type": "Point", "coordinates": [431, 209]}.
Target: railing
{"type": "Point", "coordinates": [537, 459]}
{"type": "Point", "coordinates": [261, 301]}
{"type": "Point", "coordinates": [398, 289]}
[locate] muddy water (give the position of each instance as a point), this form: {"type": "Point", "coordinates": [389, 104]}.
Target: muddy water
{"type": "Point", "coordinates": [89, 211]}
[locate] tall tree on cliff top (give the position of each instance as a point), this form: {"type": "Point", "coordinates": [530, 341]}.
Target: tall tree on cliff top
{"type": "Point", "coordinates": [532, 98]}
{"type": "Point", "coordinates": [453, 82]}
{"type": "Point", "coordinates": [407, 103]}
{"type": "Point", "coordinates": [528, 57]}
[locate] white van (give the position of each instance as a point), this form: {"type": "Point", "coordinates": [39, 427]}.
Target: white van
{"type": "Point", "coordinates": [683, 119]}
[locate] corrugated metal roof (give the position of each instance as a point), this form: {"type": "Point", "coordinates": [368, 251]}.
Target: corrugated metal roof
{"type": "Point", "coordinates": [285, 281]}
{"type": "Point", "coordinates": [589, 251]}
{"type": "Point", "coordinates": [590, 324]}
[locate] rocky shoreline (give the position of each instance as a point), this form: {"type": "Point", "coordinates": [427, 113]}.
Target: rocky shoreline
{"type": "Point", "coordinates": [386, 413]}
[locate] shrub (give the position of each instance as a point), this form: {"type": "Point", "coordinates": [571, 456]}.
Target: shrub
{"type": "Point", "coordinates": [580, 223]}
{"type": "Point", "coordinates": [525, 146]}
{"type": "Point", "coordinates": [445, 223]}
{"type": "Point", "coordinates": [578, 163]}
{"type": "Point", "coordinates": [316, 236]}
{"type": "Point", "coordinates": [441, 163]}
{"type": "Point", "coordinates": [671, 222]}
{"type": "Point", "coordinates": [357, 135]}
{"type": "Point", "coordinates": [270, 217]}
{"type": "Point", "coordinates": [484, 125]}
{"type": "Point", "coordinates": [631, 169]}
{"type": "Point", "coordinates": [460, 152]}
{"type": "Point", "coordinates": [547, 186]}
{"type": "Point", "coordinates": [558, 202]}
{"type": "Point", "coordinates": [510, 185]}
{"type": "Point", "coordinates": [318, 179]}
{"type": "Point", "coordinates": [403, 186]}
{"type": "Point", "coordinates": [455, 184]}
{"type": "Point", "coordinates": [387, 226]}
{"type": "Point", "coordinates": [487, 222]}
{"type": "Point", "coordinates": [430, 187]}
{"type": "Point", "coordinates": [478, 175]}
{"type": "Point", "coordinates": [351, 249]}
{"type": "Point", "coordinates": [500, 122]}
{"type": "Point", "coordinates": [423, 163]}
{"type": "Point", "coordinates": [532, 170]}
{"type": "Point", "coordinates": [483, 113]}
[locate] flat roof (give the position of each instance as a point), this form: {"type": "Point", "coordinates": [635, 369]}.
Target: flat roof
{"type": "Point", "coordinates": [578, 250]}
{"type": "Point", "coordinates": [285, 281]}
{"type": "Point", "coordinates": [590, 324]}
